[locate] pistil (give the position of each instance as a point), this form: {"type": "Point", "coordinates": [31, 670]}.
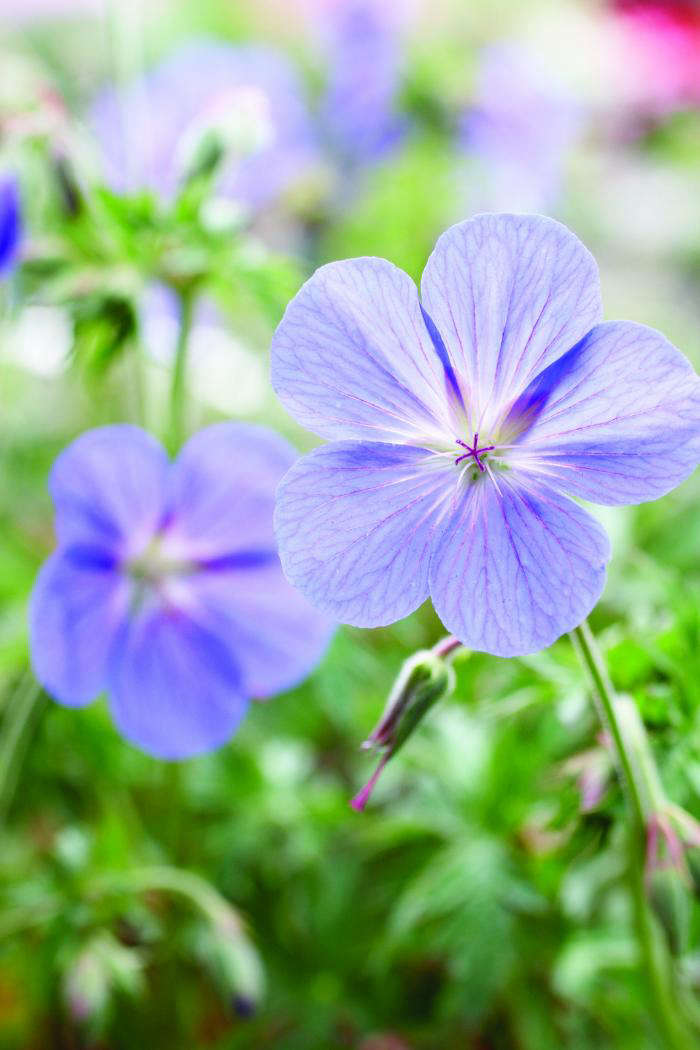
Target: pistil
{"type": "Point", "coordinates": [474, 451]}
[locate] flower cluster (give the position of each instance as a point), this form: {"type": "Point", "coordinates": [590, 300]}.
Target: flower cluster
{"type": "Point", "coordinates": [250, 103]}
{"type": "Point", "coordinates": [166, 589]}
{"type": "Point", "coordinates": [461, 424]}
{"type": "Point", "coordinates": [249, 97]}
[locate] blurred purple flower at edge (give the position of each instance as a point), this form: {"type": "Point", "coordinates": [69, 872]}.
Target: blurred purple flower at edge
{"type": "Point", "coordinates": [459, 427]}
{"type": "Point", "coordinates": [359, 110]}
{"type": "Point", "coordinates": [166, 589]}
{"type": "Point", "coordinates": [522, 126]}
{"type": "Point", "coordinates": [250, 94]}
{"type": "Point", "coordinates": [10, 223]}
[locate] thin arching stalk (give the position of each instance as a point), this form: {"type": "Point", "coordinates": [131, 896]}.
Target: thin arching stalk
{"type": "Point", "coordinates": [653, 954]}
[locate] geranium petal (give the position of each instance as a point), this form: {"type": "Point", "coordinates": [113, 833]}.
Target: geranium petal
{"type": "Point", "coordinates": [509, 294]}
{"type": "Point", "coordinates": [352, 357]}
{"type": "Point", "coordinates": [108, 488]}
{"type": "Point", "coordinates": [616, 420]}
{"type": "Point", "coordinates": [77, 605]}
{"type": "Point", "coordinates": [354, 522]}
{"type": "Point", "coordinates": [277, 636]}
{"type": "Point", "coordinates": [221, 491]}
{"type": "Point", "coordinates": [174, 687]}
{"type": "Point", "coordinates": [516, 568]}
{"type": "Point", "coordinates": [10, 223]}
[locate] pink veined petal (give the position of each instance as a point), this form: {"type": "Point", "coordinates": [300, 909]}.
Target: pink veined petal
{"type": "Point", "coordinates": [616, 420]}
{"type": "Point", "coordinates": [509, 294]}
{"type": "Point", "coordinates": [516, 567]}
{"type": "Point", "coordinates": [355, 524]}
{"type": "Point", "coordinates": [353, 358]}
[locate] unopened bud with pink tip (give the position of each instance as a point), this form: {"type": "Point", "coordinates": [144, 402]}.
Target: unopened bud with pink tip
{"type": "Point", "coordinates": [102, 968]}
{"type": "Point", "coordinates": [425, 678]}
{"type": "Point", "coordinates": [672, 838]}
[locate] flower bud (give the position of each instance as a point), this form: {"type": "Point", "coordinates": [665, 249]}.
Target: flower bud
{"type": "Point", "coordinates": [102, 967]}
{"type": "Point", "coordinates": [593, 771]}
{"type": "Point", "coordinates": [693, 860]}
{"type": "Point", "coordinates": [670, 833]}
{"type": "Point", "coordinates": [236, 124]}
{"type": "Point", "coordinates": [86, 987]}
{"type": "Point", "coordinates": [235, 965]}
{"type": "Point", "coordinates": [424, 679]}
{"type": "Point", "coordinates": [670, 900]}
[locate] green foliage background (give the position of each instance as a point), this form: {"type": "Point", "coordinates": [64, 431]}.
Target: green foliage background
{"type": "Point", "coordinates": [474, 904]}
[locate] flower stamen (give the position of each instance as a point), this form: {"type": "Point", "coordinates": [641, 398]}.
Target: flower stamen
{"type": "Point", "coordinates": [475, 451]}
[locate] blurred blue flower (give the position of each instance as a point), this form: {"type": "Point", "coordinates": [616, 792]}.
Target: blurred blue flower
{"type": "Point", "coordinates": [359, 110]}
{"type": "Point", "coordinates": [10, 223]}
{"type": "Point", "coordinates": [459, 428]}
{"type": "Point", "coordinates": [166, 588]}
{"type": "Point", "coordinates": [249, 97]}
{"type": "Point", "coordinates": [522, 127]}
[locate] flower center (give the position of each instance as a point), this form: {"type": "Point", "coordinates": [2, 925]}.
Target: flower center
{"type": "Point", "coordinates": [474, 451]}
{"type": "Point", "coordinates": [154, 564]}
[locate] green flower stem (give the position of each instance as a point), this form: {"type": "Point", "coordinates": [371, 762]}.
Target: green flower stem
{"type": "Point", "coordinates": [177, 421]}
{"type": "Point", "coordinates": [161, 878]}
{"type": "Point", "coordinates": [606, 704]}
{"type": "Point", "coordinates": [22, 711]}
{"type": "Point", "coordinates": [167, 879]}
{"type": "Point", "coordinates": [637, 788]}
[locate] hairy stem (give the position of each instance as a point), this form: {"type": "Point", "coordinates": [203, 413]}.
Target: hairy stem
{"type": "Point", "coordinates": [653, 954]}
{"type": "Point", "coordinates": [604, 695]}
{"type": "Point", "coordinates": [447, 647]}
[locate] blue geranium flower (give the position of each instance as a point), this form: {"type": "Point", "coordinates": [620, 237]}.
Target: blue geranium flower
{"type": "Point", "coordinates": [249, 96]}
{"type": "Point", "coordinates": [461, 425]}
{"type": "Point", "coordinates": [522, 127]}
{"type": "Point", "coordinates": [166, 589]}
{"type": "Point", "coordinates": [10, 223]}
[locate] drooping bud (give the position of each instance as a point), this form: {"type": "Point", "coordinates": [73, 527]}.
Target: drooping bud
{"type": "Point", "coordinates": [103, 967]}
{"type": "Point", "coordinates": [593, 772]}
{"type": "Point", "coordinates": [86, 987]}
{"type": "Point", "coordinates": [235, 965]}
{"type": "Point", "coordinates": [425, 678]}
{"type": "Point", "coordinates": [673, 837]}
{"type": "Point", "coordinates": [670, 899]}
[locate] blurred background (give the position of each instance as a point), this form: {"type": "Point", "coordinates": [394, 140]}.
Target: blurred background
{"type": "Point", "coordinates": [236, 901]}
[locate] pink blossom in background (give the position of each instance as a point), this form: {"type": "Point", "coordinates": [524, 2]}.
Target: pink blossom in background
{"type": "Point", "coordinates": [659, 54]}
